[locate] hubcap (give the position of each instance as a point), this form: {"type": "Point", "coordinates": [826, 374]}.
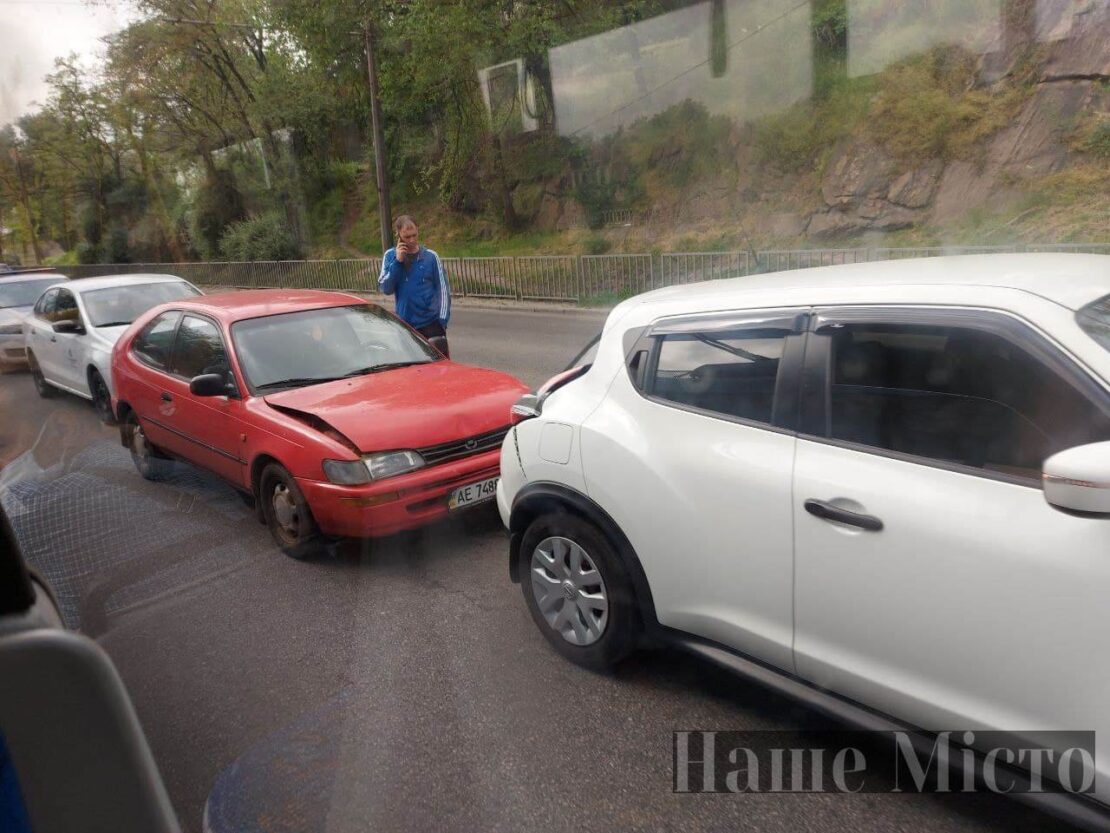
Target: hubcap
{"type": "Point", "coordinates": [285, 510]}
{"type": "Point", "coordinates": [569, 591]}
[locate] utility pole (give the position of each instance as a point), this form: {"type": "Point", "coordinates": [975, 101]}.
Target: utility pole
{"type": "Point", "coordinates": [385, 210]}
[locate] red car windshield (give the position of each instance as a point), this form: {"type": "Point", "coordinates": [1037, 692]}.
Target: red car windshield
{"type": "Point", "coordinates": [320, 345]}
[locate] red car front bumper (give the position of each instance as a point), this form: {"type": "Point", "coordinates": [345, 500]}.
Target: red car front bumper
{"type": "Point", "coordinates": [397, 503]}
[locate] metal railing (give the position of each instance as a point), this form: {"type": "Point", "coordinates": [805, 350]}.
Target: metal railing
{"type": "Point", "coordinates": [692, 267]}
{"type": "Point", "coordinates": [780, 260]}
{"type": "Point", "coordinates": [569, 278]}
{"type": "Point", "coordinates": [615, 275]}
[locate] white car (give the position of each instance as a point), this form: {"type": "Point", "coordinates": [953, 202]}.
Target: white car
{"type": "Point", "coordinates": [71, 331]}
{"type": "Point", "coordinates": [884, 484]}
{"type": "Point", "coordinates": [18, 293]}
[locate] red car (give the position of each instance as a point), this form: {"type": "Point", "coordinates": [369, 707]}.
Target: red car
{"type": "Point", "coordinates": [337, 418]}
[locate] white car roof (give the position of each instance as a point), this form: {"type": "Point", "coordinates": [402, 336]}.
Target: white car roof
{"type": "Point", "coordinates": [108, 281]}
{"type": "Point", "coordinates": [1070, 280]}
{"type": "Point", "coordinates": [5, 277]}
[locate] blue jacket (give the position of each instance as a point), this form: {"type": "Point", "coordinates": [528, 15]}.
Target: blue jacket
{"type": "Point", "coordinates": [420, 284]}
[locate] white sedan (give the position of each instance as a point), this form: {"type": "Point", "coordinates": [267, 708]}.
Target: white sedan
{"type": "Point", "coordinates": [883, 486]}
{"type": "Point", "coordinates": [71, 331]}
{"type": "Point", "coordinates": [18, 293]}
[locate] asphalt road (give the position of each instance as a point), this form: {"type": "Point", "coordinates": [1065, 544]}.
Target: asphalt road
{"type": "Point", "coordinates": [393, 685]}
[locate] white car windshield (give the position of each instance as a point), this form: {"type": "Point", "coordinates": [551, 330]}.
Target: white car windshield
{"type": "Point", "coordinates": [119, 305]}
{"type": "Point", "coordinates": [23, 293]}
{"type": "Point", "coordinates": [320, 345]}
{"type": "Point", "coordinates": [1095, 320]}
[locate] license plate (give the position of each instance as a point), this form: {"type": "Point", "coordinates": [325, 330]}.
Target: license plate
{"type": "Point", "coordinates": [473, 493]}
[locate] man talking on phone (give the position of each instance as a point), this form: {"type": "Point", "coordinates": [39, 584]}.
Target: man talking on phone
{"type": "Point", "coordinates": [415, 275]}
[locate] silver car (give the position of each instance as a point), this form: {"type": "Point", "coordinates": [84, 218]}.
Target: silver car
{"type": "Point", "coordinates": [18, 294]}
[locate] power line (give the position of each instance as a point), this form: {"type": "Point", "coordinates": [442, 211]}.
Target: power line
{"type": "Point", "coordinates": [758, 31]}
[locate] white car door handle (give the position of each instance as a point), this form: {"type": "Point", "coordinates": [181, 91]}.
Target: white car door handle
{"type": "Point", "coordinates": [830, 512]}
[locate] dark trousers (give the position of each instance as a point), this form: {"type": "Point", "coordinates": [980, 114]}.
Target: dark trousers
{"type": "Point", "coordinates": [435, 334]}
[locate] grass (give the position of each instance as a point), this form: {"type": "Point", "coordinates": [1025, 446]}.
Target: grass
{"type": "Point", "coordinates": [927, 107]}
{"type": "Point", "coordinates": [803, 136]}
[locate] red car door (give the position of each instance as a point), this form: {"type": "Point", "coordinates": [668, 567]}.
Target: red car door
{"type": "Point", "coordinates": [210, 429]}
{"type": "Point", "coordinates": [152, 351]}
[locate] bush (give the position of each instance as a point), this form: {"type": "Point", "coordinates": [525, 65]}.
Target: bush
{"type": "Point", "coordinates": [88, 252]}
{"type": "Point", "coordinates": [799, 137]}
{"type": "Point", "coordinates": [1097, 142]}
{"type": "Point", "coordinates": [597, 245]}
{"type": "Point", "coordinates": [218, 205]}
{"type": "Point", "coordinates": [681, 145]}
{"type": "Point", "coordinates": [118, 250]}
{"type": "Point", "coordinates": [265, 237]}
{"type": "Point", "coordinates": [927, 107]}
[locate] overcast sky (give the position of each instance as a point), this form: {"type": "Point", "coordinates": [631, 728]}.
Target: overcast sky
{"type": "Point", "coordinates": [35, 32]}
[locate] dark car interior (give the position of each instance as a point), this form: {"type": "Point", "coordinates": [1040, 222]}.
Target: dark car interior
{"type": "Point", "coordinates": [955, 395]}
{"type": "Point", "coordinates": [737, 381]}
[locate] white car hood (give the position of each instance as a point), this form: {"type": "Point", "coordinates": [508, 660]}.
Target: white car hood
{"type": "Point", "coordinates": [110, 335]}
{"type": "Point", "coordinates": [13, 315]}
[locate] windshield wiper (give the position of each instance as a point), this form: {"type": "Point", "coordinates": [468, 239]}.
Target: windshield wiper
{"type": "Point", "coordinates": [377, 368]}
{"type": "Point", "coordinates": [299, 381]}
{"type": "Point", "coordinates": [113, 324]}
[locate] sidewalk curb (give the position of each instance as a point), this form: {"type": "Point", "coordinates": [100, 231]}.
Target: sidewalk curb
{"type": "Point", "coordinates": [517, 306]}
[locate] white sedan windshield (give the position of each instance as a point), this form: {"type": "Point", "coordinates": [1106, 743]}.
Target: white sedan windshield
{"type": "Point", "coordinates": [118, 305]}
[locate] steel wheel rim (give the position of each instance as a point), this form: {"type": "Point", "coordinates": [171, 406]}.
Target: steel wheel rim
{"type": "Point", "coordinates": [285, 511]}
{"type": "Point", "coordinates": [569, 591]}
{"type": "Point", "coordinates": [139, 446]}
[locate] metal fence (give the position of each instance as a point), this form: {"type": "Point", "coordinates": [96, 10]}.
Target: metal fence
{"type": "Point", "coordinates": [691, 267]}
{"type": "Point", "coordinates": [578, 279]}
{"type": "Point", "coordinates": [615, 275]}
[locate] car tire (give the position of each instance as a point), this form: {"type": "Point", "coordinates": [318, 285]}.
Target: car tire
{"type": "Point", "coordinates": [44, 388]}
{"type": "Point", "coordinates": [150, 462]}
{"type": "Point", "coordinates": [567, 569]}
{"type": "Point", "coordinates": [102, 399]}
{"type": "Point", "coordinates": [287, 514]}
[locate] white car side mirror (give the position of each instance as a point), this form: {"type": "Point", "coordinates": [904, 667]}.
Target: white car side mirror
{"type": "Point", "coordinates": [1078, 479]}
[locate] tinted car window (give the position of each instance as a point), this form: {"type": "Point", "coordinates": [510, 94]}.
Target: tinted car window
{"type": "Point", "coordinates": [154, 345]}
{"type": "Point", "coordinates": [199, 349]}
{"type": "Point", "coordinates": [955, 395]}
{"type": "Point", "coordinates": [65, 308]}
{"type": "Point", "coordinates": [45, 307]}
{"type": "Point", "coordinates": [728, 372]}
{"type": "Point", "coordinates": [1095, 319]}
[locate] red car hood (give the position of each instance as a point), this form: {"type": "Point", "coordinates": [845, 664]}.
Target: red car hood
{"type": "Point", "coordinates": [410, 407]}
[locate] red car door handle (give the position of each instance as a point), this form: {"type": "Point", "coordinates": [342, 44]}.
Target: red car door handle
{"type": "Point", "coordinates": [166, 397]}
